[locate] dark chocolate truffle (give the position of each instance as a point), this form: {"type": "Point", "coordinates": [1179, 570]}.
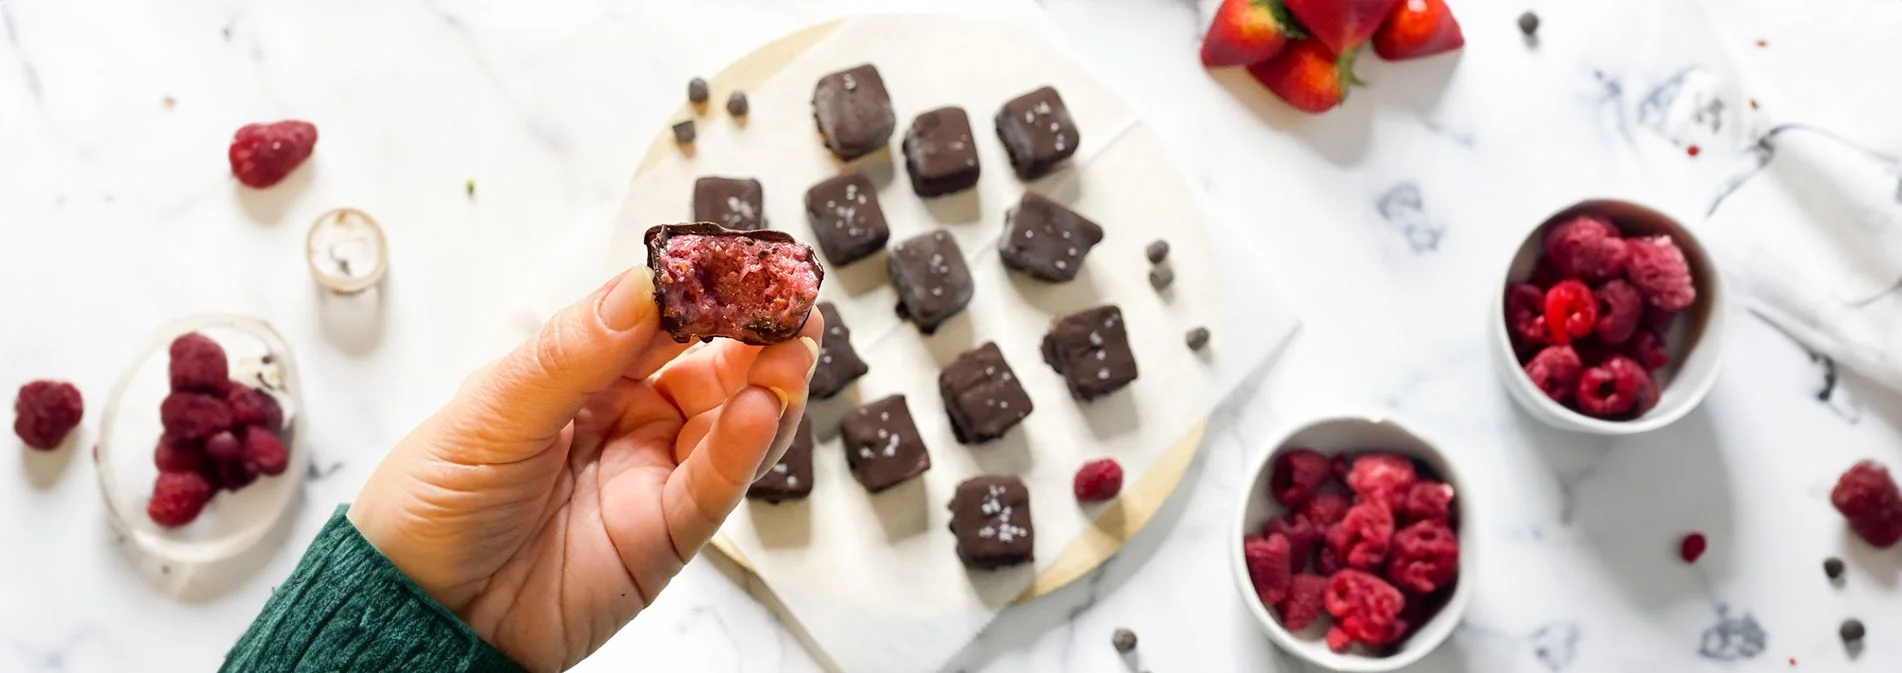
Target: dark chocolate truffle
{"type": "Point", "coordinates": [1046, 240]}
{"type": "Point", "coordinates": [734, 203]}
{"type": "Point", "coordinates": [1091, 350]}
{"type": "Point", "coordinates": [982, 395]}
{"type": "Point", "coordinates": [939, 154]}
{"type": "Point", "coordinates": [853, 112]}
{"type": "Point", "coordinates": [846, 218]}
{"type": "Point", "coordinates": [791, 477]}
{"type": "Point", "coordinates": [1037, 132]}
{"type": "Point", "coordinates": [933, 281]}
{"type": "Point", "coordinates": [990, 516]}
{"type": "Point", "coordinates": [882, 445]}
{"type": "Point", "coordinates": [839, 364]}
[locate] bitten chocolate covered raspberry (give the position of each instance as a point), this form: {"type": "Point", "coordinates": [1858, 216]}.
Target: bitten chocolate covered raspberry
{"type": "Point", "coordinates": [757, 287]}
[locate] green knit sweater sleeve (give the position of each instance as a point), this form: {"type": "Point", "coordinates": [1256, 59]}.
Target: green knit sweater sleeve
{"type": "Point", "coordinates": [347, 608]}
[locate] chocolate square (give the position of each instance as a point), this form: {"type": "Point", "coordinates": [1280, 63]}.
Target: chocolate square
{"type": "Point", "coordinates": [939, 154]}
{"type": "Point", "coordinates": [1091, 350]}
{"type": "Point", "coordinates": [932, 279]}
{"type": "Point", "coordinates": [990, 516]}
{"type": "Point", "coordinates": [791, 477]}
{"type": "Point", "coordinates": [853, 112]}
{"type": "Point", "coordinates": [882, 446]}
{"type": "Point", "coordinates": [734, 203]}
{"type": "Point", "coordinates": [839, 363]}
{"type": "Point", "coordinates": [982, 395]}
{"type": "Point", "coordinates": [1046, 240]}
{"type": "Point", "coordinates": [846, 219]}
{"type": "Point", "coordinates": [1037, 132]}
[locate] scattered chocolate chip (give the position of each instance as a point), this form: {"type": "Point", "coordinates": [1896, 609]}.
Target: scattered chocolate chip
{"type": "Point", "coordinates": [1833, 567]}
{"type": "Point", "coordinates": [1529, 24]}
{"type": "Point", "coordinates": [683, 132]}
{"type": "Point", "coordinates": [1197, 338]}
{"type": "Point", "coordinates": [1124, 640]}
{"type": "Point", "coordinates": [1160, 277]}
{"type": "Point", "coordinates": [1851, 631]}
{"type": "Point", "coordinates": [1157, 251]}
{"type": "Point", "coordinates": [736, 104]}
{"type": "Point", "coordinates": [697, 90]}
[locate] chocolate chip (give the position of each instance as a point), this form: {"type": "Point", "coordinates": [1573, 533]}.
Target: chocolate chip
{"type": "Point", "coordinates": [683, 132]}
{"type": "Point", "coordinates": [1833, 567]}
{"type": "Point", "coordinates": [1124, 640]}
{"type": "Point", "coordinates": [697, 90]}
{"type": "Point", "coordinates": [1157, 251]}
{"type": "Point", "coordinates": [1529, 24]}
{"type": "Point", "coordinates": [1851, 631]}
{"type": "Point", "coordinates": [1160, 277]}
{"type": "Point", "coordinates": [1197, 338]}
{"type": "Point", "coordinates": [736, 104]}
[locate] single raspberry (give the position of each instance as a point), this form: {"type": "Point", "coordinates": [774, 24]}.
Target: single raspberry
{"type": "Point", "coordinates": [44, 412]}
{"type": "Point", "coordinates": [231, 475]}
{"type": "Point", "coordinates": [1571, 312]}
{"type": "Point", "coordinates": [1620, 307]}
{"type": "Point", "coordinates": [1326, 509]}
{"type": "Point", "coordinates": [1648, 349]}
{"type": "Point", "coordinates": [250, 406]}
{"type": "Point", "coordinates": [1586, 247]}
{"type": "Point", "coordinates": [1692, 547]}
{"type": "Point", "coordinates": [1096, 481]}
{"type": "Point", "coordinates": [1268, 567]}
{"type": "Point", "coordinates": [1866, 495]}
{"type": "Point", "coordinates": [1365, 607]}
{"type": "Point", "coordinates": [1306, 601]}
{"type": "Point", "coordinates": [194, 416]}
{"type": "Point", "coordinates": [1298, 472]}
{"type": "Point", "coordinates": [1382, 477]}
{"type": "Point", "coordinates": [1525, 317]}
{"type": "Point", "coordinates": [1338, 640]}
{"type": "Point", "coordinates": [1661, 273]}
{"type": "Point", "coordinates": [264, 453]}
{"type": "Point", "coordinates": [1427, 500]}
{"type": "Point", "coordinates": [1555, 370]}
{"type": "Point", "coordinates": [1426, 556]}
{"type": "Point", "coordinates": [1614, 389]}
{"type": "Point", "coordinates": [1301, 535]}
{"type": "Point", "coordinates": [1361, 540]}
{"type": "Point", "coordinates": [1647, 395]}
{"type": "Point", "coordinates": [177, 498]}
{"type": "Point", "coordinates": [178, 455]}
{"type": "Point", "coordinates": [224, 447]}
{"type": "Point", "coordinates": [262, 154]}
{"type": "Point", "coordinates": [198, 364]}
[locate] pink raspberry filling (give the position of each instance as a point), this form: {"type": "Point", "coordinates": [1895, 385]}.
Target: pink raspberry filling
{"type": "Point", "coordinates": [751, 288]}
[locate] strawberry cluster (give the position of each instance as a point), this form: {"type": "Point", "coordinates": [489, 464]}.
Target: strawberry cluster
{"type": "Point", "coordinates": [1589, 327]}
{"type": "Point", "coordinates": [1304, 50]}
{"type": "Point", "coordinates": [1367, 541]}
{"type": "Point", "coordinates": [219, 433]}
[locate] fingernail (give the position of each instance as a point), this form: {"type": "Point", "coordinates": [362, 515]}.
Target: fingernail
{"type": "Point", "coordinates": [812, 347]}
{"type": "Point", "coordinates": [629, 303]}
{"type": "Point", "coordinates": [784, 399]}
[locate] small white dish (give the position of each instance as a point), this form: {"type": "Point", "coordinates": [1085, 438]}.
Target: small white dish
{"type": "Point", "coordinates": [1353, 434]}
{"type": "Point", "coordinates": [1695, 340]}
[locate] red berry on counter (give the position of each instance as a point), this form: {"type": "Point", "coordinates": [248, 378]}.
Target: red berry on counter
{"type": "Point", "coordinates": [1298, 473]}
{"type": "Point", "coordinates": [198, 364]}
{"type": "Point", "coordinates": [1418, 28]}
{"type": "Point", "coordinates": [263, 154]}
{"type": "Point", "coordinates": [1246, 32]}
{"type": "Point", "coordinates": [1308, 76]}
{"type": "Point", "coordinates": [1340, 26]}
{"type": "Point", "coordinates": [1692, 547]}
{"type": "Point", "coordinates": [177, 498]}
{"type": "Point", "coordinates": [1571, 311]}
{"type": "Point", "coordinates": [1867, 496]}
{"type": "Point", "coordinates": [1556, 371]}
{"type": "Point", "coordinates": [44, 412]}
{"type": "Point", "coordinates": [1097, 480]}
{"type": "Point", "coordinates": [1661, 272]}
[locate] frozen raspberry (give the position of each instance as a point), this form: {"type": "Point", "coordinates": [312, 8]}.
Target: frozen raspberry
{"type": "Point", "coordinates": [250, 406]}
{"type": "Point", "coordinates": [1382, 477]}
{"type": "Point", "coordinates": [1298, 472]}
{"type": "Point", "coordinates": [1661, 273]}
{"type": "Point", "coordinates": [1525, 317]}
{"type": "Point", "coordinates": [178, 455]}
{"type": "Point", "coordinates": [1338, 640]}
{"type": "Point", "coordinates": [1571, 312]}
{"type": "Point", "coordinates": [1327, 562]}
{"type": "Point", "coordinates": [1427, 500]}
{"type": "Point", "coordinates": [1867, 496]}
{"type": "Point", "coordinates": [193, 416]}
{"type": "Point", "coordinates": [1098, 480]}
{"type": "Point", "coordinates": [1586, 247]}
{"type": "Point", "coordinates": [1614, 389]}
{"type": "Point", "coordinates": [1692, 547]}
{"type": "Point", "coordinates": [262, 154]}
{"type": "Point", "coordinates": [1268, 567]}
{"type": "Point", "coordinates": [198, 364]}
{"type": "Point", "coordinates": [232, 475]}
{"type": "Point", "coordinates": [45, 411]}
{"type": "Point", "coordinates": [264, 453]}
{"type": "Point", "coordinates": [177, 498]}
{"type": "Point", "coordinates": [1426, 556]}
{"type": "Point", "coordinates": [1301, 535]}
{"type": "Point", "coordinates": [1648, 349]}
{"type": "Point", "coordinates": [1361, 540]}
{"type": "Point", "coordinates": [1306, 601]}
{"type": "Point", "coordinates": [1326, 509]}
{"type": "Point", "coordinates": [1646, 397]}
{"type": "Point", "coordinates": [1620, 307]}
{"type": "Point", "coordinates": [224, 447]}
{"type": "Point", "coordinates": [1555, 370]}
{"type": "Point", "coordinates": [1365, 607]}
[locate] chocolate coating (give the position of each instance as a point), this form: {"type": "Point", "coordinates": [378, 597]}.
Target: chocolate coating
{"type": "Point", "coordinates": [882, 445]}
{"type": "Point", "coordinates": [673, 321]}
{"type": "Point", "coordinates": [1091, 350]}
{"type": "Point", "coordinates": [791, 477]}
{"type": "Point", "coordinates": [933, 281]}
{"type": "Point", "coordinates": [939, 154]}
{"type": "Point", "coordinates": [839, 363]}
{"type": "Point", "coordinates": [990, 515]}
{"type": "Point", "coordinates": [853, 112]}
{"type": "Point", "coordinates": [846, 218]}
{"type": "Point", "coordinates": [982, 395]}
{"type": "Point", "coordinates": [1037, 132]}
{"type": "Point", "coordinates": [734, 203]}
{"type": "Point", "coordinates": [1046, 240]}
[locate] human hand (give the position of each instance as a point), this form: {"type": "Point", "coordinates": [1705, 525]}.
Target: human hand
{"type": "Point", "coordinates": [566, 483]}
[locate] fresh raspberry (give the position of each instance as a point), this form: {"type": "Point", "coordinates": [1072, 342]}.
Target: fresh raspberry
{"type": "Point", "coordinates": [1326, 509]}
{"type": "Point", "coordinates": [250, 406]}
{"type": "Point", "coordinates": [1268, 567]}
{"type": "Point", "coordinates": [1365, 607]}
{"type": "Point", "coordinates": [1096, 481]}
{"type": "Point", "coordinates": [1867, 496]}
{"type": "Point", "coordinates": [1427, 500]}
{"type": "Point", "coordinates": [1647, 395]}
{"type": "Point", "coordinates": [1555, 370]}
{"type": "Point", "coordinates": [198, 364]}
{"type": "Point", "coordinates": [45, 411]}
{"type": "Point", "coordinates": [1382, 477]}
{"type": "Point", "coordinates": [177, 498]}
{"type": "Point", "coordinates": [1306, 601]}
{"type": "Point", "coordinates": [1298, 472]}
{"type": "Point", "coordinates": [1692, 547]}
{"type": "Point", "coordinates": [1338, 640]}
{"type": "Point", "coordinates": [193, 416]}
{"type": "Point", "coordinates": [264, 453]}
{"type": "Point", "coordinates": [224, 447]}
{"type": "Point", "coordinates": [1620, 307]}
{"type": "Point", "coordinates": [1301, 535]}
{"type": "Point", "coordinates": [1586, 247]}
{"type": "Point", "coordinates": [231, 475]}
{"type": "Point", "coordinates": [1326, 560]}
{"type": "Point", "coordinates": [178, 455]}
{"type": "Point", "coordinates": [1362, 538]}
{"type": "Point", "coordinates": [1570, 311]}
{"type": "Point", "coordinates": [1525, 317]}
{"type": "Point", "coordinates": [1647, 348]}
{"type": "Point", "coordinates": [262, 154]}
{"type": "Point", "coordinates": [1615, 388]}
{"type": "Point", "coordinates": [1426, 555]}
{"type": "Point", "coordinates": [1661, 273]}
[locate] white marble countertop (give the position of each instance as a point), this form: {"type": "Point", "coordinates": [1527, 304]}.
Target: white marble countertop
{"type": "Point", "coordinates": [117, 213]}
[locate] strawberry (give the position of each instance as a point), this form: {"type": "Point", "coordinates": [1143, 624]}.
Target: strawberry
{"type": "Point", "coordinates": [1342, 25]}
{"type": "Point", "coordinates": [1418, 28]}
{"type": "Point", "coordinates": [1246, 32]}
{"type": "Point", "coordinates": [1308, 76]}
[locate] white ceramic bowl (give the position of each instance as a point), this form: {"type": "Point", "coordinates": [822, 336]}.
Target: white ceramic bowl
{"type": "Point", "coordinates": [1695, 340]}
{"type": "Point", "coordinates": [1352, 434]}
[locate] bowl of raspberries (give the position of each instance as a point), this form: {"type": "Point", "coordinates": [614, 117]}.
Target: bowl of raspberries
{"type": "Point", "coordinates": [1350, 544]}
{"type": "Point", "coordinates": [197, 455]}
{"type": "Point", "coordinates": [1611, 320]}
